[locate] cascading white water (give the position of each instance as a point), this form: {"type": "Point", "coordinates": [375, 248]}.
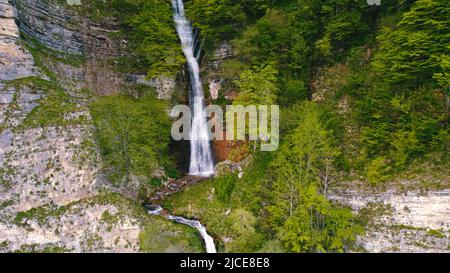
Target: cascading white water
{"type": "Point", "coordinates": [209, 241]}
{"type": "Point", "coordinates": [201, 163]}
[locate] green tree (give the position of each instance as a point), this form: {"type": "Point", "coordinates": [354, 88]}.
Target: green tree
{"type": "Point", "coordinates": [306, 157]}
{"type": "Point", "coordinates": [443, 76]}
{"type": "Point", "coordinates": [257, 86]}
{"type": "Point", "coordinates": [133, 135]}
{"type": "Point", "coordinates": [154, 38]}
{"type": "Point", "coordinates": [243, 226]}
{"type": "Point", "coordinates": [410, 54]}
{"type": "Point", "coordinates": [317, 226]}
{"type": "Point", "coordinates": [218, 20]}
{"type": "Point", "coordinates": [301, 216]}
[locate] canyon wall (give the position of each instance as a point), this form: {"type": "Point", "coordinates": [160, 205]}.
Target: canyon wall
{"type": "Point", "coordinates": [53, 196]}
{"type": "Point", "coordinates": [52, 191]}
{"type": "Point", "coordinates": [411, 221]}
{"type": "Point", "coordinates": [89, 48]}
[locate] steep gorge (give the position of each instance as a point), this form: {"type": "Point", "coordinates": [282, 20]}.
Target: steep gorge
{"type": "Point", "coordinates": [54, 196]}
{"type": "Point", "coordinates": [52, 187]}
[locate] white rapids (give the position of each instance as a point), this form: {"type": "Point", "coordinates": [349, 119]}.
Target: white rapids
{"type": "Point", "coordinates": [209, 241]}
{"type": "Point", "coordinates": [201, 161]}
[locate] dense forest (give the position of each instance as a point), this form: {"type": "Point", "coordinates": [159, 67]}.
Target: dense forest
{"type": "Point", "coordinates": [364, 93]}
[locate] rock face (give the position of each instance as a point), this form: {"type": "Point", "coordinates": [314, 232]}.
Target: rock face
{"type": "Point", "coordinates": [164, 86]}
{"type": "Point", "coordinates": [222, 53]}
{"type": "Point", "coordinates": [61, 28]}
{"type": "Point", "coordinates": [43, 166]}
{"type": "Point", "coordinates": [77, 230]}
{"type": "Point", "coordinates": [55, 26]}
{"type": "Point", "coordinates": [409, 222]}
{"type": "Point", "coordinates": [15, 62]}
{"type": "Point", "coordinates": [52, 193]}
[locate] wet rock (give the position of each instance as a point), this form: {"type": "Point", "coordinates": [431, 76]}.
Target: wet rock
{"type": "Point", "coordinates": [227, 166]}
{"type": "Point", "coordinates": [173, 186]}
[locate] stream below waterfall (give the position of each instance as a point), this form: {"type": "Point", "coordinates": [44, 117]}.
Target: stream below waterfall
{"type": "Point", "coordinates": [201, 160]}
{"type": "Point", "coordinates": [209, 241]}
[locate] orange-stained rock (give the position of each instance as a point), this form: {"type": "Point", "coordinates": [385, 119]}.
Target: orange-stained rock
{"type": "Point", "coordinates": [232, 150]}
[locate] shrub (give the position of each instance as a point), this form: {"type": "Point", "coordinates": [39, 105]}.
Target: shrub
{"type": "Point", "coordinates": [133, 135]}
{"type": "Point", "coordinates": [225, 185]}
{"type": "Point", "coordinates": [376, 171]}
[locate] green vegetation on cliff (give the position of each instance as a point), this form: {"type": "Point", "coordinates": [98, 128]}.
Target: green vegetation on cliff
{"type": "Point", "coordinates": [147, 27]}
{"type": "Point", "coordinates": [115, 211]}
{"type": "Point", "coordinates": [364, 92]}
{"type": "Point", "coordinates": [378, 76]}
{"type": "Point", "coordinates": [132, 134]}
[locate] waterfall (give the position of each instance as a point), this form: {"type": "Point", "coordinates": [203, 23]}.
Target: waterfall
{"type": "Point", "coordinates": [201, 162]}
{"type": "Point", "coordinates": [209, 241]}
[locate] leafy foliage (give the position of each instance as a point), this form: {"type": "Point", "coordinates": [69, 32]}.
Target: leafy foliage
{"type": "Point", "coordinates": [157, 40]}
{"type": "Point", "coordinates": [316, 226]}
{"type": "Point", "coordinates": [225, 186]}
{"type": "Point", "coordinates": [221, 20]}
{"type": "Point", "coordinates": [304, 219]}
{"type": "Point", "coordinates": [257, 86]}
{"type": "Point", "coordinates": [411, 53]}
{"type": "Point", "coordinates": [132, 134]}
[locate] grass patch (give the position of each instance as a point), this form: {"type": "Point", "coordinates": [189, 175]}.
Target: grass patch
{"type": "Point", "coordinates": [53, 106]}
{"type": "Point", "coordinates": [435, 233]}
{"type": "Point", "coordinates": [6, 204]}
{"type": "Point", "coordinates": [161, 236]}
{"type": "Point", "coordinates": [229, 207]}
{"type": "Point", "coordinates": [35, 248]}
{"type": "Point", "coordinates": [39, 214]}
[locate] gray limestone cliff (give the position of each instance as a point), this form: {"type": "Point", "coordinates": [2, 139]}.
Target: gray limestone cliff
{"type": "Point", "coordinates": [53, 196]}
{"type": "Point", "coordinates": [411, 221]}
{"type": "Point", "coordinates": [86, 50]}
